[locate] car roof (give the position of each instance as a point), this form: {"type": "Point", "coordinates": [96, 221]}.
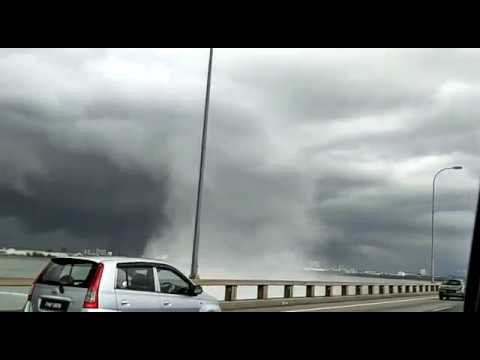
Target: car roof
{"type": "Point", "coordinates": [116, 259]}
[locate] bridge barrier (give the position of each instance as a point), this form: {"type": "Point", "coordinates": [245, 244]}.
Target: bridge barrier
{"type": "Point", "coordinates": [331, 290]}
{"type": "Point", "coordinates": [315, 291]}
{"type": "Point", "coordinates": [8, 281]}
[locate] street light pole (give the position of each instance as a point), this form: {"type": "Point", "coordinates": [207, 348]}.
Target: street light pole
{"type": "Point", "coordinates": [196, 234]}
{"type": "Point", "coordinates": [433, 217]}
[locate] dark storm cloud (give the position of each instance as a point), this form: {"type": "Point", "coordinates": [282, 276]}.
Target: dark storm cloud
{"type": "Point", "coordinates": [86, 194]}
{"type": "Point", "coordinates": [100, 203]}
{"type": "Point", "coordinates": [323, 155]}
{"type": "Point", "coordinates": [374, 226]}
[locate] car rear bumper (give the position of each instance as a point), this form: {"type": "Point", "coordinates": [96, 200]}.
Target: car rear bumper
{"type": "Point", "coordinates": [28, 308]}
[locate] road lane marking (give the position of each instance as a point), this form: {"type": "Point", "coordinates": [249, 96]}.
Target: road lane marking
{"type": "Point", "coordinates": [359, 305]}
{"type": "Point", "coordinates": [13, 293]}
{"type": "Point", "coordinates": [443, 309]}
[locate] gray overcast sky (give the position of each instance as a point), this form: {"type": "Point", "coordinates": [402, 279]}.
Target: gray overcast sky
{"type": "Point", "coordinates": [313, 154]}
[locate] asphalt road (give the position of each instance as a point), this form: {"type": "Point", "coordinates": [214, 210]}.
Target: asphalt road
{"type": "Point", "coordinates": [398, 304]}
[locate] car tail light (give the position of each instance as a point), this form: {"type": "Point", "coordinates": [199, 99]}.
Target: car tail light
{"type": "Point", "coordinates": [91, 299]}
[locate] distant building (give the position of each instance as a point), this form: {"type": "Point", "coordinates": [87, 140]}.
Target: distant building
{"type": "Point", "coordinates": [97, 252]}
{"type": "Point", "coordinates": [423, 272]}
{"type": "Point", "coordinates": [13, 251]}
{"type": "Point", "coordinates": [401, 273]}
{"type": "Point", "coordinates": [33, 253]}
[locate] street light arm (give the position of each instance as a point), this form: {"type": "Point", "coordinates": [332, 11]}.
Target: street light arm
{"type": "Point", "coordinates": [433, 185]}
{"type": "Point", "coordinates": [439, 171]}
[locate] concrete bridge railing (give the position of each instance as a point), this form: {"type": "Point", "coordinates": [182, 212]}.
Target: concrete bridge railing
{"type": "Point", "coordinates": [315, 291]}
{"type": "Point", "coordinates": [8, 281]}
{"type": "Point", "coordinates": [311, 287]}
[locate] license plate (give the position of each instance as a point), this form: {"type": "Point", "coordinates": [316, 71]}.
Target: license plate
{"type": "Point", "coordinates": [54, 305]}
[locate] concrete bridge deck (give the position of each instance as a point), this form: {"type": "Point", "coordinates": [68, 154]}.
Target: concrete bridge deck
{"type": "Point", "coordinates": [412, 303]}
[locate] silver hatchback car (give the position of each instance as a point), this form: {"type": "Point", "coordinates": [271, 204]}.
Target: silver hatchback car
{"type": "Point", "coordinates": [453, 288]}
{"type": "Point", "coordinates": [119, 284]}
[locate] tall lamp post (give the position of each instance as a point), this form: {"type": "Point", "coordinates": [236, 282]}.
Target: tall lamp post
{"type": "Point", "coordinates": [196, 234]}
{"type": "Point", "coordinates": [433, 217]}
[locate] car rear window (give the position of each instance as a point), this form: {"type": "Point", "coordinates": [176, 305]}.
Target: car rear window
{"type": "Point", "coordinates": [68, 272]}
{"type": "Point", "coordinates": [453, 282]}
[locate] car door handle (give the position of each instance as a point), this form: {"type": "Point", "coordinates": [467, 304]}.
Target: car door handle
{"type": "Point", "coordinates": [124, 303]}
{"type": "Point", "coordinates": [166, 303]}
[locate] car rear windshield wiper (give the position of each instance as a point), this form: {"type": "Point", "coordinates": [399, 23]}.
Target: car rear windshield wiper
{"type": "Point", "coordinates": [75, 283]}
{"type": "Point", "coordinates": [50, 282]}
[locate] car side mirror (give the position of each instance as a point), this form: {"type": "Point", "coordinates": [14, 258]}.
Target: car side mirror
{"type": "Point", "coordinates": [196, 290]}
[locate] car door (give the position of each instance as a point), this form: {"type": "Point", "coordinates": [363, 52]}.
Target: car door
{"type": "Point", "coordinates": [135, 288]}
{"type": "Point", "coordinates": [175, 291]}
